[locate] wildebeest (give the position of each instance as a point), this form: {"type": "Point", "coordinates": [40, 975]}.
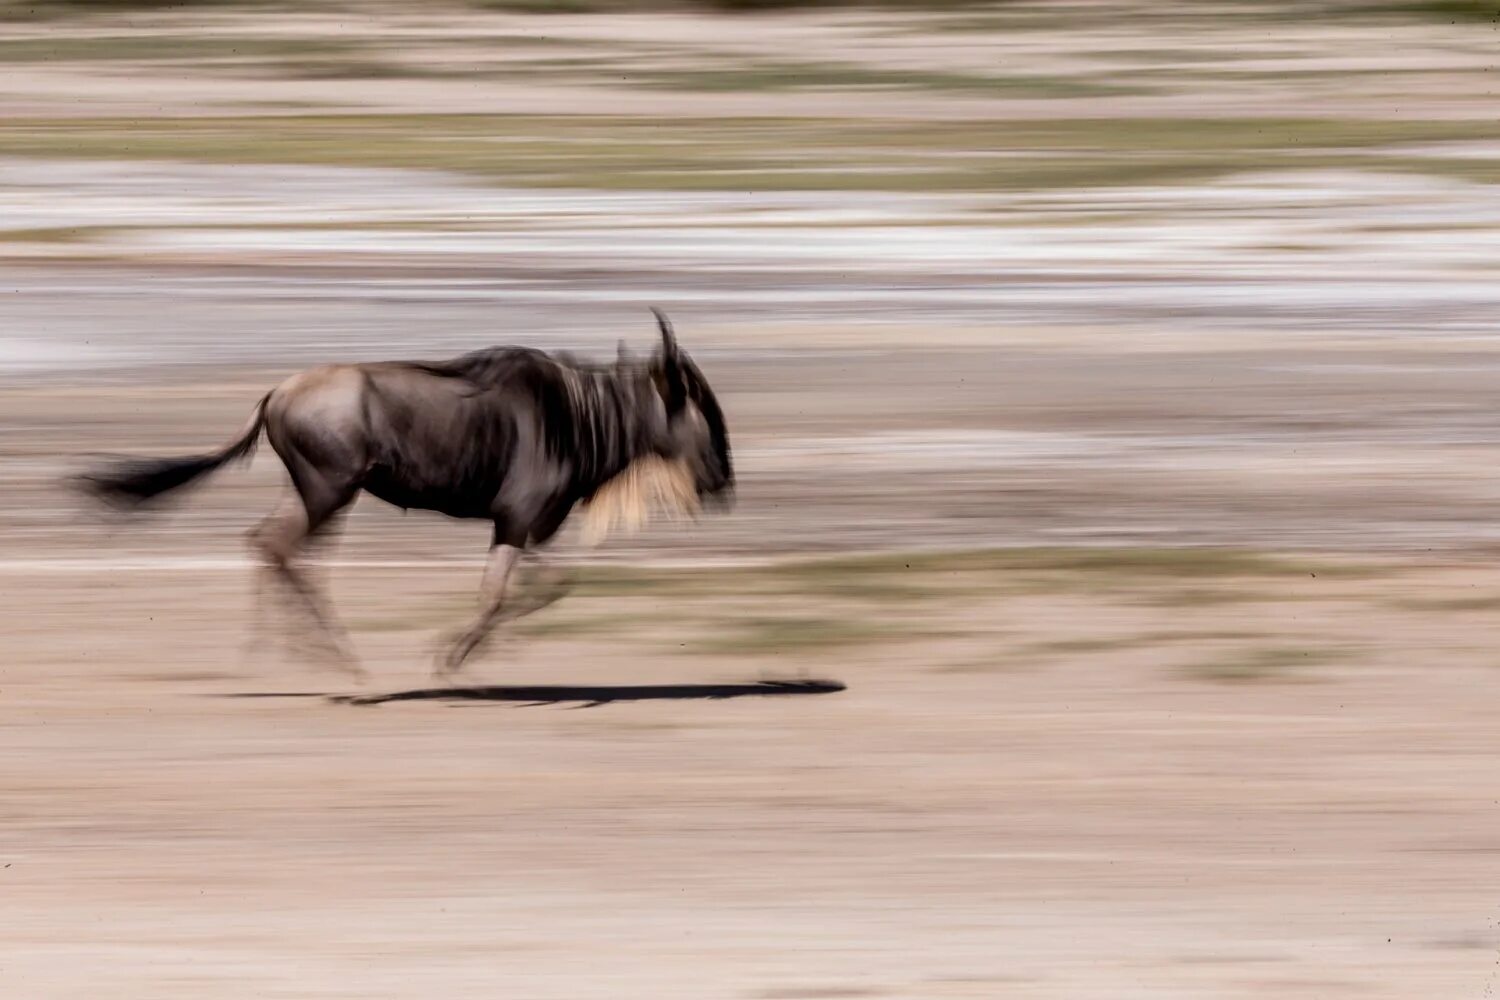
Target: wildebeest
{"type": "Point", "coordinates": [510, 435]}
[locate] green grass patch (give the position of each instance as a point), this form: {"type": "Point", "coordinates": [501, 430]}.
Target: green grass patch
{"type": "Point", "coordinates": [632, 153]}
{"type": "Point", "coordinates": [943, 575]}
{"type": "Point", "coordinates": [1211, 56]}
{"type": "Point", "coordinates": [761, 635]}
{"type": "Point", "coordinates": [1070, 646]}
{"type": "Point", "coordinates": [1145, 640]}
{"type": "Point", "coordinates": [773, 635]}
{"type": "Point", "coordinates": [394, 623]}
{"type": "Point", "coordinates": [1278, 663]}
{"type": "Point", "coordinates": [52, 234]}
{"type": "Point", "coordinates": [879, 598]}
{"type": "Point", "coordinates": [1437, 10]}
{"type": "Point", "coordinates": [567, 626]}
{"type": "Point", "coordinates": [1208, 635]}
{"type": "Point", "coordinates": [616, 581]}
{"type": "Point", "coordinates": [165, 48]}
{"type": "Point", "coordinates": [772, 76]}
{"type": "Point", "coordinates": [1491, 603]}
{"type": "Point", "coordinates": [1207, 597]}
{"type": "Point", "coordinates": [340, 69]}
{"type": "Point", "coordinates": [1186, 562]}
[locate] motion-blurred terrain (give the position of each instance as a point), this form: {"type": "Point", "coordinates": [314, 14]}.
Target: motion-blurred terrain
{"type": "Point", "coordinates": [1111, 388]}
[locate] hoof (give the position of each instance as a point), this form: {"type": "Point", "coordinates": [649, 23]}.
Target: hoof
{"type": "Point", "coordinates": [342, 659]}
{"type": "Point", "coordinates": [445, 670]}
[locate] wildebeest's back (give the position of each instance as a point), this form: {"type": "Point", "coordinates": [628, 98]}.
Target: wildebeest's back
{"type": "Point", "coordinates": [573, 413]}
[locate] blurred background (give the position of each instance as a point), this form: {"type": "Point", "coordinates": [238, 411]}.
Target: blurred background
{"type": "Point", "coordinates": [1111, 392]}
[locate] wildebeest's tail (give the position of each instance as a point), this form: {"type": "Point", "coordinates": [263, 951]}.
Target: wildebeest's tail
{"type": "Point", "coordinates": [130, 482]}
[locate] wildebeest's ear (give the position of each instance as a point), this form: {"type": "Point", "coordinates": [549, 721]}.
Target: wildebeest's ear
{"type": "Point", "coordinates": [671, 381]}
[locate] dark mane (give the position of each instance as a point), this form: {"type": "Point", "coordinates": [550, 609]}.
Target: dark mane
{"type": "Point", "coordinates": [708, 405]}
{"type": "Point", "coordinates": [490, 366]}
{"type": "Point", "coordinates": [587, 415]}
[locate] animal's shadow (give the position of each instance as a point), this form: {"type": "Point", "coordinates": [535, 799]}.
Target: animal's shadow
{"type": "Point", "coordinates": [590, 696]}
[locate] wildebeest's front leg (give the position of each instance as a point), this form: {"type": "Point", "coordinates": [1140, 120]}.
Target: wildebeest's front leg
{"type": "Point", "coordinates": [497, 573]}
{"type": "Point", "coordinates": [546, 584]}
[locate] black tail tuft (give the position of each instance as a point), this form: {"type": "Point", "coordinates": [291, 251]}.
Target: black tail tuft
{"type": "Point", "coordinates": [129, 483]}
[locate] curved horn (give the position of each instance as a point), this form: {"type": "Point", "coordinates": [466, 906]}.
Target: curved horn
{"type": "Point", "coordinates": [673, 386]}
{"type": "Point", "coordinates": [668, 338]}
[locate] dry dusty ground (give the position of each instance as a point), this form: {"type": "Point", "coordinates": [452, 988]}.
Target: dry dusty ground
{"type": "Point", "coordinates": [1124, 772]}
{"type": "Point", "coordinates": [1126, 277]}
{"type": "Point", "coordinates": [1103, 773]}
{"type": "Point", "coordinates": [1093, 771]}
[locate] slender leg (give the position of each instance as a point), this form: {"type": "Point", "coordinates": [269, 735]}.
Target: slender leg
{"type": "Point", "coordinates": [255, 635]}
{"type": "Point", "coordinates": [264, 587]}
{"type": "Point", "coordinates": [497, 572]}
{"type": "Point", "coordinates": [280, 539]}
{"type": "Point", "coordinates": [546, 584]}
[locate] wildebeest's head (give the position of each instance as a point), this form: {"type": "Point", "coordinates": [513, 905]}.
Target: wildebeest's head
{"type": "Point", "coordinates": [695, 432]}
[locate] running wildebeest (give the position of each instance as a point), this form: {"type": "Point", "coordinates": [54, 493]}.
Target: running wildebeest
{"type": "Point", "coordinates": [509, 435]}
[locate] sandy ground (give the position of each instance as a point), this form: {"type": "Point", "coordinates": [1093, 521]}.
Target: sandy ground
{"type": "Point", "coordinates": [1124, 780]}
{"type": "Point", "coordinates": [1122, 785]}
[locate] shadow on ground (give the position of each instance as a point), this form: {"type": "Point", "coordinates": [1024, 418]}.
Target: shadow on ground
{"type": "Point", "coordinates": [592, 695]}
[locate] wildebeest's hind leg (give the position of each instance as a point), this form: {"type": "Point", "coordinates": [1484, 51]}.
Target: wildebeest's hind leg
{"type": "Point", "coordinates": [270, 587]}
{"type": "Point", "coordinates": [280, 539]}
{"type": "Point", "coordinates": [255, 635]}
{"type": "Point", "coordinates": [266, 585]}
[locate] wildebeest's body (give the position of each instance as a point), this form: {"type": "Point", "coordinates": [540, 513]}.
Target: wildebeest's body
{"type": "Point", "coordinates": [519, 448]}
{"type": "Point", "coordinates": [510, 435]}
